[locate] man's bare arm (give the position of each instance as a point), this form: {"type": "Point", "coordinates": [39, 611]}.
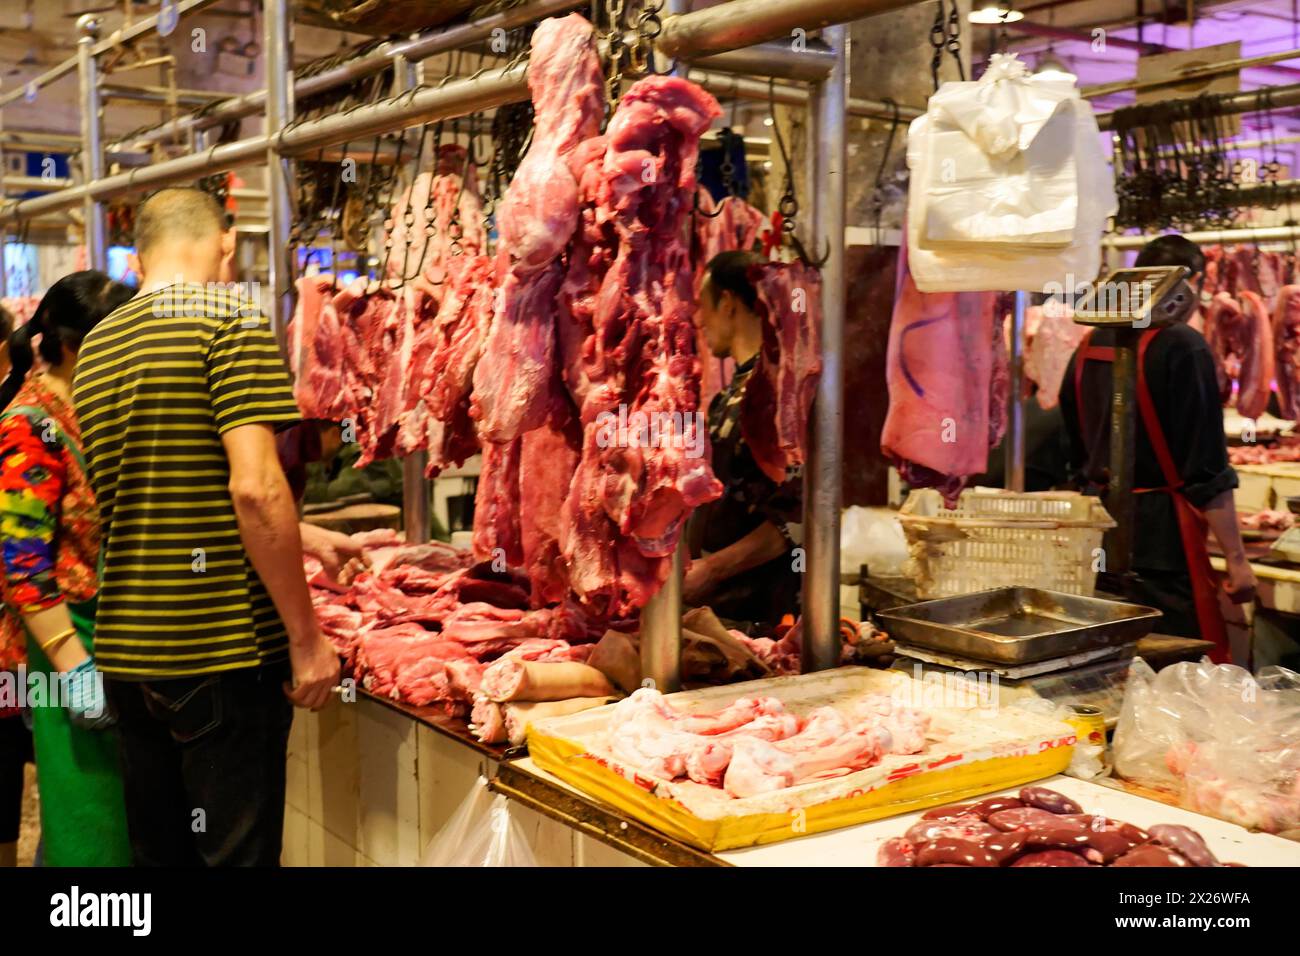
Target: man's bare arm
{"type": "Point", "coordinates": [756, 548]}
{"type": "Point", "coordinates": [268, 527]}
{"type": "Point", "coordinates": [1221, 514]}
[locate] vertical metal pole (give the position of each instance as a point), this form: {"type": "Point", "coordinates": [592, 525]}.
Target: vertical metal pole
{"type": "Point", "coordinates": [279, 200]}
{"type": "Point", "coordinates": [416, 488]}
{"type": "Point", "coordinates": [822, 478]}
{"type": "Point", "coordinates": [92, 146]}
{"type": "Point", "coordinates": [1123, 429]}
{"type": "Point", "coordinates": [661, 618]}
{"type": "Point", "coordinates": [1013, 448]}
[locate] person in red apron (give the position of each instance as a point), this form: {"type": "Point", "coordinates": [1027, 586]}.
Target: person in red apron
{"type": "Point", "coordinates": [1182, 479]}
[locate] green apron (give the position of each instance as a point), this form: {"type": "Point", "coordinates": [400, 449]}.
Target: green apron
{"type": "Point", "coordinates": [83, 809]}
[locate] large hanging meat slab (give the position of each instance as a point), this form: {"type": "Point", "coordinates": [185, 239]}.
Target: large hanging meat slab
{"type": "Point", "coordinates": [634, 369]}
{"type": "Point", "coordinates": [535, 221]}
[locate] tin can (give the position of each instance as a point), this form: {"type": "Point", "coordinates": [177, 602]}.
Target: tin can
{"type": "Point", "coordinates": [1089, 725]}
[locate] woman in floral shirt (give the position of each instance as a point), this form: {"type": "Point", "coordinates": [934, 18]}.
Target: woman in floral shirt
{"type": "Point", "coordinates": [49, 551]}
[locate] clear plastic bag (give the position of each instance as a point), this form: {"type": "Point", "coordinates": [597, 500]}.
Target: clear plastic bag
{"type": "Point", "coordinates": [1089, 759]}
{"type": "Point", "coordinates": [482, 832]}
{"type": "Point", "coordinates": [1227, 742]}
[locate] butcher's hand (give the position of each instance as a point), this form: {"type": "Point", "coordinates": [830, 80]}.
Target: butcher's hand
{"type": "Point", "coordinates": [1240, 584]}
{"type": "Point", "coordinates": [698, 581]}
{"type": "Point", "coordinates": [315, 669]}
{"type": "Point", "coordinates": [342, 558]}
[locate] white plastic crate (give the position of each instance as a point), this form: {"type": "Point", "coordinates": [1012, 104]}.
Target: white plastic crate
{"type": "Point", "coordinates": [995, 539]}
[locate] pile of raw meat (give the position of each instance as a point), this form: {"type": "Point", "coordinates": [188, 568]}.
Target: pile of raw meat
{"type": "Point", "coordinates": [1040, 827]}
{"type": "Point", "coordinates": [755, 745]}
{"type": "Point", "coordinates": [423, 622]}
{"type": "Point", "coordinates": [1263, 454]}
{"type": "Point", "coordinates": [1267, 520]}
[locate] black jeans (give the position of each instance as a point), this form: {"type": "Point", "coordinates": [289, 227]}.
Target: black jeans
{"type": "Point", "coordinates": [203, 766]}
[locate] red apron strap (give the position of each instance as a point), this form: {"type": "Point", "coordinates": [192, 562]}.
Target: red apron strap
{"type": "Point", "coordinates": [1192, 525]}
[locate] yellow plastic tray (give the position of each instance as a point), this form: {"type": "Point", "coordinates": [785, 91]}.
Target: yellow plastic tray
{"type": "Point", "coordinates": [995, 751]}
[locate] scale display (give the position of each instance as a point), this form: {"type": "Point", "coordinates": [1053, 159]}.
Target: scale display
{"type": "Point", "coordinates": [1137, 298]}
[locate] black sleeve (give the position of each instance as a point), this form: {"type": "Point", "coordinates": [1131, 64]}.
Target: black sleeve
{"type": "Point", "coordinates": [1077, 458]}
{"type": "Point", "coordinates": [1193, 418]}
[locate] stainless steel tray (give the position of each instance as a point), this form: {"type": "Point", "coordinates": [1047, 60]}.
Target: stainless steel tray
{"type": "Point", "coordinates": [1018, 625]}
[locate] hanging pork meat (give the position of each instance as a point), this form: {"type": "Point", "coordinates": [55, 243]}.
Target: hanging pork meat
{"type": "Point", "coordinates": [779, 394]}
{"type": "Point", "coordinates": [535, 221]}
{"type": "Point", "coordinates": [1240, 335]}
{"type": "Point", "coordinates": [631, 353]}
{"type": "Point", "coordinates": [940, 375]}
{"type": "Point", "coordinates": [1286, 342]}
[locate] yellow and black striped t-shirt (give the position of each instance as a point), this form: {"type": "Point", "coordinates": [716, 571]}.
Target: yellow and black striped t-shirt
{"type": "Point", "coordinates": [157, 383]}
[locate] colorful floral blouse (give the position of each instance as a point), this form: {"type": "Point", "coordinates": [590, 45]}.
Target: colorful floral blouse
{"type": "Point", "coordinates": [49, 527]}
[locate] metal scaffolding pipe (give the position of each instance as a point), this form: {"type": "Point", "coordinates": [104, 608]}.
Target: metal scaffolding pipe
{"type": "Point", "coordinates": [457, 98]}
{"type": "Point", "coordinates": [744, 23]}
{"type": "Point", "coordinates": [154, 95]}
{"type": "Point", "coordinates": [278, 45]}
{"type": "Point", "coordinates": [39, 142]}
{"type": "Point", "coordinates": [94, 219]}
{"type": "Point", "coordinates": [34, 183]}
{"type": "Point", "coordinates": [1014, 448]}
{"type": "Point", "coordinates": [661, 618]}
{"type": "Point", "coordinates": [416, 486]}
{"type": "Point", "coordinates": [1189, 74]}
{"type": "Point", "coordinates": [114, 39]}
{"type": "Point", "coordinates": [810, 63]}
{"type": "Point", "coordinates": [823, 493]}
{"type": "Point", "coordinates": [1220, 236]}
{"type": "Point", "coordinates": [419, 47]}
{"type": "Point", "coordinates": [1280, 97]}
{"type": "Point", "coordinates": [725, 84]}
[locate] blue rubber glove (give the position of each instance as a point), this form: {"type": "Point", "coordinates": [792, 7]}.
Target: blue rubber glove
{"type": "Point", "coordinates": [87, 705]}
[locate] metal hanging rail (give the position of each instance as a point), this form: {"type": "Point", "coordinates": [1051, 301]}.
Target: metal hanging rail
{"type": "Point", "coordinates": [1279, 97]}
{"type": "Point", "coordinates": [420, 47]}
{"type": "Point", "coordinates": [726, 84]}
{"type": "Point", "coordinates": [1188, 75]}
{"type": "Point", "coordinates": [114, 39]}
{"type": "Point", "coordinates": [745, 23]}
{"type": "Point", "coordinates": [1212, 236]}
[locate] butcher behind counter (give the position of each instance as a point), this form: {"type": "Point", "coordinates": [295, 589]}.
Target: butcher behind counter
{"type": "Point", "coordinates": [740, 545]}
{"type": "Point", "coordinates": [1182, 478]}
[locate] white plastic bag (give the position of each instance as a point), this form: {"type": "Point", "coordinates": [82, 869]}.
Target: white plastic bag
{"type": "Point", "coordinates": [1226, 742]}
{"type": "Point", "coordinates": [1007, 174]}
{"type": "Point", "coordinates": [872, 536]}
{"type": "Point", "coordinates": [482, 832]}
{"type": "Point", "coordinates": [1031, 256]}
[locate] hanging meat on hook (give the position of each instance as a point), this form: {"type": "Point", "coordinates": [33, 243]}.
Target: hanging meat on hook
{"type": "Point", "coordinates": [447, 220]}
{"type": "Point", "coordinates": [779, 394]}
{"type": "Point", "coordinates": [1286, 342]}
{"type": "Point", "coordinates": [942, 385]}
{"type": "Point", "coordinates": [1240, 335]}
{"type": "Point", "coordinates": [535, 221]}
{"type": "Point", "coordinates": [635, 362]}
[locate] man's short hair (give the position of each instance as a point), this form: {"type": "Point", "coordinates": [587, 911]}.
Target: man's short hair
{"type": "Point", "coordinates": [178, 213]}
{"type": "Point", "coordinates": [730, 271]}
{"type": "Point", "coordinates": [1172, 250]}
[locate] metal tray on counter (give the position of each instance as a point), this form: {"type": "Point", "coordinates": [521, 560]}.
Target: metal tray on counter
{"type": "Point", "coordinates": [1018, 625]}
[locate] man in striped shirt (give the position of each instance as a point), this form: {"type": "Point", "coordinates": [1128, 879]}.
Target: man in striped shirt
{"type": "Point", "coordinates": [205, 631]}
